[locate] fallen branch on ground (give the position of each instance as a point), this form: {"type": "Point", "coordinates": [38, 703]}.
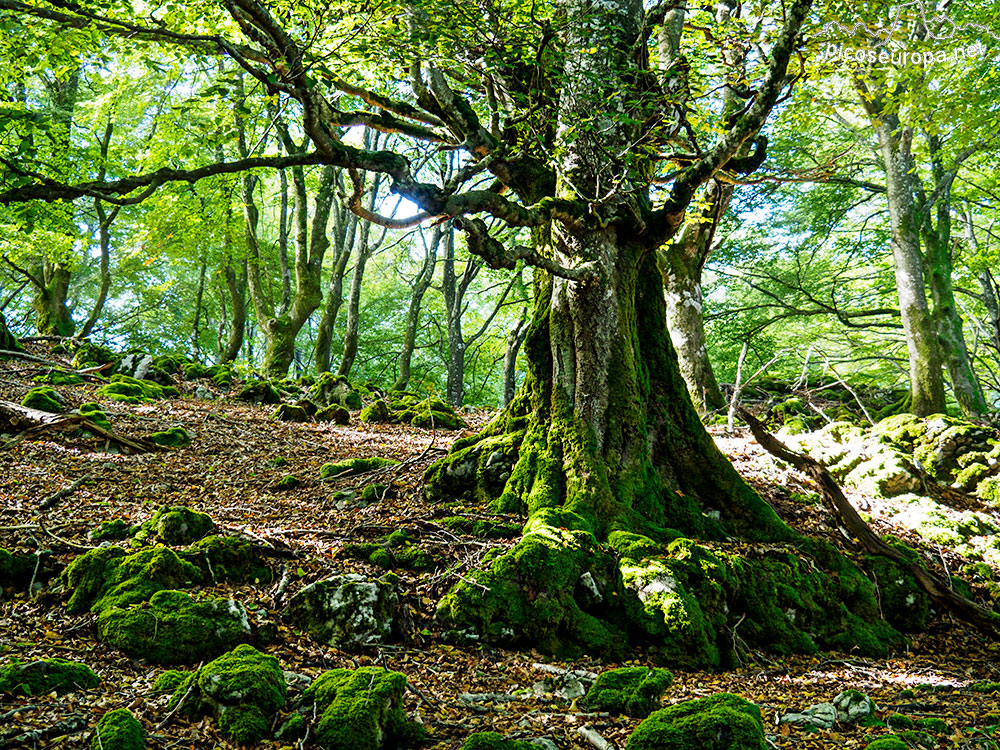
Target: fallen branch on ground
{"type": "Point", "coordinates": [937, 589]}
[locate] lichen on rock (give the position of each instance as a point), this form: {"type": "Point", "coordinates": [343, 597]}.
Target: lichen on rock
{"type": "Point", "coordinates": [347, 611]}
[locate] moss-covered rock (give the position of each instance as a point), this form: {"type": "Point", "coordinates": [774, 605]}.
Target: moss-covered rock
{"type": "Point", "coordinates": [359, 709]}
{"type": "Point", "coordinates": [495, 741]}
{"type": "Point", "coordinates": [89, 354]}
{"type": "Point", "coordinates": [59, 377]}
{"type": "Point", "coordinates": [175, 524]}
{"type": "Point", "coordinates": [887, 743]}
{"type": "Point", "coordinates": [176, 628]}
{"type": "Point", "coordinates": [174, 437]}
{"type": "Point", "coordinates": [290, 413]}
{"type": "Point", "coordinates": [195, 371]}
{"type": "Point", "coordinates": [45, 398]}
{"type": "Point", "coordinates": [142, 366]}
{"type": "Point", "coordinates": [354, 466]}
{"type": "Point", "coordinates": [118, 730]}
{"type": "Point", "coordinates": [222, 375]}
{"type": "Point", "coordinates": [905, 604]}
{"type": "Point", "coordinates": [287, 482]}
{"type": "Point", "coordinates": [377, 412]}
{"type": "Point", "coordinates": [113, 529]}
{"type": "Point", "coordinates": [44, 676]}
{"type": "Point", "coordinates": [330, 389]}
{"type": "Point", "coordinates": [634, 691]}
{"type": "Point", "coordinates": [169, 680]}
{"type": "Point", "coordinates": [258, 392]}
{"type": "Point", "coordinates": [95, 414]}
{"type": "Point", "coordinates": [130, 390]}
{"type": "Point", "coordinates": [227, 558]}
{"type": "Point", "coordinates": [718, 722]}
{"type": "Point", "coordinates": [107, 577]}
{"type": "Point", "coordinates": [346, 611]}
{"type": "Point", "coordinates": [336, 414]}
{"type": "Point", "coordinates": [243, 689]}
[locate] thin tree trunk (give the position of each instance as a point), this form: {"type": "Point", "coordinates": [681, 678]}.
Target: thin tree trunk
{"type": "Point", "coordinates": [104, 219]}
{"type": "Point", "coordinates": [198, 303]}
{"type": "Point", "coordinates": [420, 286]}
{"type": "Point", "coordinates": [236, 285]}
{"type": "Point", "coordinates": [515, 337]}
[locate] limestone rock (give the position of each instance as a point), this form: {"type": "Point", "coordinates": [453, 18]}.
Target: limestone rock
{"type": "Point", "coordinates": [176, 525]}
{"type": "Point", "coordinates": [290, 413]}
{"type": "Point", "coordinates": [347, 611]}
{"type": "Point", "coordinates": [821, 716]}
{"type": "Point", "coordinates": [853, 706]}
{"type": "Point", "coordinates": [331, 389]}
{"type": "Point", "coordinates": [142, 367]}
{"type": "Point", "coordinates": [563, 686]}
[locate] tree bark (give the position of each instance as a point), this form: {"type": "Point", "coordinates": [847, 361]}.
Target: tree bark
{"type": "Point", "coordinates": [236, 286]}
{"type": "Point", "coordinates": [515, 338]}
{"type": "Point", "coordinates": [104, 221]}
{"type": "Point", "coordinates": [923, 348]}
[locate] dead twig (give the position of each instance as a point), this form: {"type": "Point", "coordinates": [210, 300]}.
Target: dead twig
{"type": "Point", "coordinates": [62, 494]}
{"type": "Point", "coordinates": [180, 704]}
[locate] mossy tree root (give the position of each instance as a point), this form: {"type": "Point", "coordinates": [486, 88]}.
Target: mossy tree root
{"type": "Point", "coordinates": [606, 558]}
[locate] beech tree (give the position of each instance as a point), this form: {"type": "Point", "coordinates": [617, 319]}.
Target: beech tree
{"type": "Point", "coordinates": [568, 121]}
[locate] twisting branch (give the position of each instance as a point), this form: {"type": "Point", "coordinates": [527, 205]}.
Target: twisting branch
{"type": "Point", "coordinates": [356, 204]}
{"type": "Point", "coordinates": [837, 503]}
{"type": "Point", "coordinates": [497, 256]}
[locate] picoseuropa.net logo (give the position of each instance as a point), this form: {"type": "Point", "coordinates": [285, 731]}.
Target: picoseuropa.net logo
{"type": "Point", "coordinates": [942, 39]}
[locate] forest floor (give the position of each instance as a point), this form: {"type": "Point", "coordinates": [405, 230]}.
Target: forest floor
{"type": "Point", "coordinates": [229, 472]}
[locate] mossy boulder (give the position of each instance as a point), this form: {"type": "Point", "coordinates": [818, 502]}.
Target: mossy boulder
{"type": "Point", "coordinates": [346, 611]}
{"type": "Point", "coordinates": [354, 466]}
{"type": "Point", "coordinates": [95, 414]}
{"type": "Point", "coordinates": [330, 389]}
{"type": "Point", "coordinates": [222, 375]}
{"type": "Point", "coordinates": [130, 390]}
{"type": "Point", "coordinates": [359, 709]}
{"type": "Point", "coordinates": [141, 366]}
{"type": "Point", "coordinates": [169, 680]}
{"type": "Point", "coordinates": [176, 628]}
{"type": "Point", "coordinates": [476, 473]}
{"type": "Point", "coordinates": [59, 377]}
{"type": "Point", "coordinates": [287, 482]}
{"type": "Point", "coordinates": [44, 676]}
{"type": "Point", "coordinates": [175, 525]}
{"type": "Point", "coordinates": [290, 413]}
{"type": "Point", "coordinates": [937, 443]}
{"type": "Point", "coordinates": [45, 398]}
{"type": "Point", "coordinates": [242, 689]}
{"type": "Point", "coordinates": [89, 355]}
{"type": "Point", "coordinates": [377, 412]}
{"type": "Point", "coordinates": [336, 414]}
{"type": "Point", "coordinates": [118, 730]}
{"type": "Point", "coordinates": [195, 371]}
{"type": "Point", "coordinates": [227, 558]}
{"type": "Point", "coordinates": [174, 437]}
{"type": "Point", "coordinates": [108, 577]}
{"type": "Point", "coordinates": [114, 529]}
{"type": "Point", "coordinates": [495, 741]}
{"type": "Point", "coordinates": [258, 392]}
{"type": "Point", "coordinates": [718, 722]}
{"type": "Point", "coordinates": [634, 691]}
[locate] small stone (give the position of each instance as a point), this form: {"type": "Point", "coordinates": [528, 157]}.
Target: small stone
{"type": "Point", "coordinates": [852, 706]}
{"type": "Point", "coordinates": [564, 686]}
{"type": "Point", "coordinates": [821, 716]}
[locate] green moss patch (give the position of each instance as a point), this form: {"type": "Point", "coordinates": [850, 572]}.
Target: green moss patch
{"type": "Point", "coordinates": [258, 392]}
{"type": "Point", "coordinates": [336, 414]}
{"type": "Point", "coordinates": [360, 709]}
{"type": "Point", "coordinates": [95, 414]}
{"type": "Point", "coordinates": [887, 743]}
{"type": "Point", "coordinates": [330, 389]}
{"type": "Point", "coordinates": [129, 390]}
{"type": "Point", "coordinates": [905, 604]}
{"type": "Point", "coordinates": [243, 689]}
{"type": "Point", "coordinates": [718, 722]}
{"type": "Point", "coordinates": [175, 437]}
{"type": "Point", "coordinates": [175, 524]}
{"type": "Point", "coordinates": [59, 377]}
{"type": "Point", "coordinates": [482, 528]}
{"type": "Point", "coordinates": [44, 676]}
{"type": "Point", "coordinates": [290, 413]}
{"type": "Point", "coordinates": [354, 466]}
{"type": "Point", "coordinates": [118, 730]}
{"type": "Point", "coordinates": [495, 741]}
{"type": "Point", "coordinates": [112, 530]}
{"type": "Point", "coordinates": [107, 577]}
{"type": "Point", "coordinates": [406, 408]}
{"type": "Point", "coordinates": [175, 628]}
{"type": "Point", "coordinates": [634, 691]}
{"type": "Point", "coordinates": [44, 398]}
{"type": "Point", "coordinates": [92, 355]}
{"type": "Point", "coordinates": [227, 558]}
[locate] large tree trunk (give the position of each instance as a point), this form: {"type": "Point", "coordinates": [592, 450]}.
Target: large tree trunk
{"type": "Point", "coordinates": [52, 313]}
{"type": "Point", "coordinates": [605, 455]}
